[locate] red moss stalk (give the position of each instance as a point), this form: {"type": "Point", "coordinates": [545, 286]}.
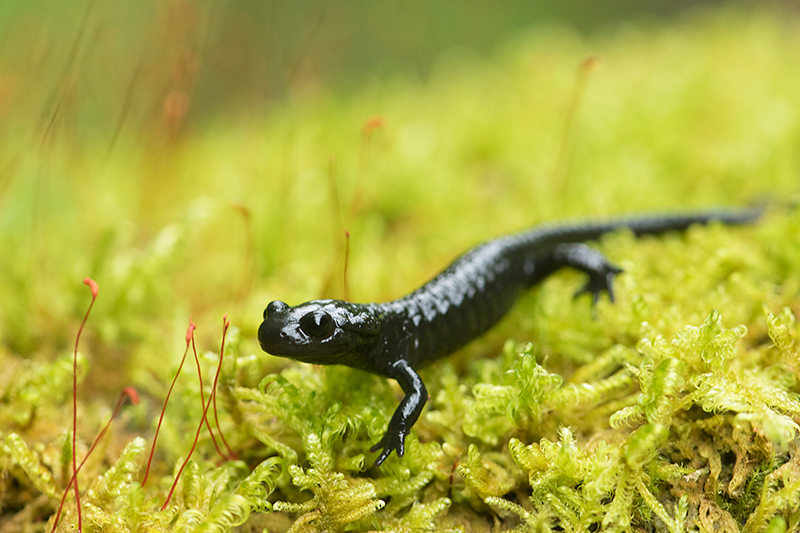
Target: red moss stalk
{"type": "Point", "coordinates": [189, 340]}
{"type": "Point", "coordinates": [225, 325]}
{"type": "Point", "coordinates": [189, 336]}
{"type": "Point", "coordinates": [203, 401]}
{"type": "Point", "coordinates": [92, 284]}
{"type": "Point", "coordinates": [127, 392]}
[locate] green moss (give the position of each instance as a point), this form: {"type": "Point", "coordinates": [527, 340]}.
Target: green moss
{"type": "Point", "coordinates": [674, 408]}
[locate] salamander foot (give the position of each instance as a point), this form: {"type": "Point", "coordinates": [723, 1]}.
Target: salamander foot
{"type": "Point", "coordinates": [600, 280]}
{"type": "Point", "coordinates": [391, 441]}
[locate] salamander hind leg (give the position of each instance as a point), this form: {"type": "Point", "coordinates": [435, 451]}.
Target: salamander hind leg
{"type": "Point", "coordinates": [600, 270]}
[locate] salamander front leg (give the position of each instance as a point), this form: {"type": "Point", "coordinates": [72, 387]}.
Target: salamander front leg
{"type": "Point", "coordinates": [406, 413]}
{"type": "Point", "coordinates": [600, 270]}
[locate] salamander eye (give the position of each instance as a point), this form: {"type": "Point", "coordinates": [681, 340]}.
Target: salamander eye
{"type": "Point", "coordinates": [317, 324]}
{"type": "Point", "coordinates": [274, 307]}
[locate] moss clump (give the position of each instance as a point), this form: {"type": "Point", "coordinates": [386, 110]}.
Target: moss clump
{"type": "Point", "coordinates": [676, 408]}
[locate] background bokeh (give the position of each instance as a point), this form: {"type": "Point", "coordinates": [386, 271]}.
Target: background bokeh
{"type": "Point", "coordinates": [200, 158]}
{"type": "Point", "coordinates": [228, 58]}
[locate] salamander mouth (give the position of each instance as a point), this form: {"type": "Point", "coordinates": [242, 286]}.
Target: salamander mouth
{"type": "Point", "coordinates": [270, 337]}
{"type": "Point", "coordinates": [275, 340]}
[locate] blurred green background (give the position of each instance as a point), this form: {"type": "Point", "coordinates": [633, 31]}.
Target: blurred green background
{"type": "Point", "coordinates": [234, 56]}
{"type": "Point", "coordinates": [201, 157]}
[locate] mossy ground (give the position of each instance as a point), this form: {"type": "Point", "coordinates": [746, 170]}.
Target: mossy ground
{"type": "Point", "coordinates": [674, 408]}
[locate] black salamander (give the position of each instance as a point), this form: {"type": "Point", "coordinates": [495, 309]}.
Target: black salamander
{"type": "Point", "coordinates": [396, 338]}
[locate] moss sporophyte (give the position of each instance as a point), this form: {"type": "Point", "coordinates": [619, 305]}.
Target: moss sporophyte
{"type": "Point", "coordinates": [131, 394]}
{"type": "Point", "coordinates": [673, 409]}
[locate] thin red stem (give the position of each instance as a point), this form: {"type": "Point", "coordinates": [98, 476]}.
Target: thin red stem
{"type": "Point", "coordinates": [225, 325]}
{"type": "Point", "coordinates": [189, 337]}
{"type": "Point", "coordinates": [127, 392]}
{"type": "Point", "coordinates": [203, 400]}
{"type": "Point", "coordinates": [367, 129]}
{"type": "Point", "coordinates": [74, 481]}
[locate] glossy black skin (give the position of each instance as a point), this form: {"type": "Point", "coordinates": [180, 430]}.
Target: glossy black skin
{"type": "Point", "coordinates": [393, 339]}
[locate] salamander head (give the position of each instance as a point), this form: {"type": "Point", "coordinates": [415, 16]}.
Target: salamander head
{"type": "Point", "coordinates": [320, 331]}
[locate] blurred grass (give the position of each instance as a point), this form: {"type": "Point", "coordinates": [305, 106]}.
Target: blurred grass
{"type": "Point", "coordinates": [241, 54]}
{"type": "Point", "coordinates": [177, 215]}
